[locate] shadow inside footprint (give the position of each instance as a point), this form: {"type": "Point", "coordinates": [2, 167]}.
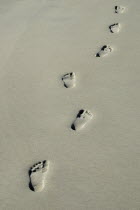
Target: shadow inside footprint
{"type": "Point", "coordinates": [82, 118]}
{"type": "Point", "coordinates": [116, 7]}
{"type": "Point", "coordinates": [97, 55]}
{"type": "Point", "coordinates": [78, 116]}
{"type": "Point", "coordinates": [73, 127]}
{"type": "Point", "coordinates": [114, 28]}
{"type": "Point", "coordinates": [69, 80]}
{"type": "Point", "coordinates": [35, 175]}
{"type": "Point", "coordinates": [119, 9]}
{"type": "Point", "coordinates": [103, 48]}
{"type": "Point", "coordinates": [110, 28]}
{"type": "Point", "coordinates": [80, 112]}
{"type": "Point", "coordinates": [30, 184]}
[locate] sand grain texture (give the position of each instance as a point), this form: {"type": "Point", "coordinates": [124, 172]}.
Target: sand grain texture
{"type": "Point", "coordinates": [97, 168]}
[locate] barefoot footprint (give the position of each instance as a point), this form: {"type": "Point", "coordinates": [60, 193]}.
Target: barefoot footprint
{"type": "Point", "coordinates": [114, 28]}
{"type": "Point", "coordinates": [83, 117]}
{"type": "Point", "coordinates": [37, 175]}
{"type": "Point", "coordinates": [69, 80]}
{"type": "Point", "coordinates": [105, 50]}
{"type": "Point", "coordinates": [119, 9]}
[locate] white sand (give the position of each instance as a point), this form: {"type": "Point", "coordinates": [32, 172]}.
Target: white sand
{"type": "Point", "coordinates": [97, 168]}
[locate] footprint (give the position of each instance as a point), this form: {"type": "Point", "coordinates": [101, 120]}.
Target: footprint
{"type": "Point", "coordinates": [83, 117]}
{"type": "Point", "coordinates": [119, 9]}
{"type": "Point", "coordinates": [37, 175]}
{"type": "Point", "coordinates": [105, 50]}
{"type": "Point", "coordinates": [114, 28]}
{"type": "Point", "coordinates": [69, 80]}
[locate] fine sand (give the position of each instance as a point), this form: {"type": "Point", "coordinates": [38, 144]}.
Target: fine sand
{"type": "Point", "coordinates": [95, 166]}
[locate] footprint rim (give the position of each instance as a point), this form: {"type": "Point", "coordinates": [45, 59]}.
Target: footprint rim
{"type": "Point", "coordinates": [32, 170]}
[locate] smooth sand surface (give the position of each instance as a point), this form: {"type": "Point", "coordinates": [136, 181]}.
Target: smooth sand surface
{"type": "Point", "coordinates": [97, 168]}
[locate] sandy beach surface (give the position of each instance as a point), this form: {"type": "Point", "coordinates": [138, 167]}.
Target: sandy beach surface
{"type": "Point", "coordinates": [97, 167]}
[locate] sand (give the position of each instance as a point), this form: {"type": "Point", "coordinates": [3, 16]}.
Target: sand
{"type": "Point", "coordinates": [97, 168]}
